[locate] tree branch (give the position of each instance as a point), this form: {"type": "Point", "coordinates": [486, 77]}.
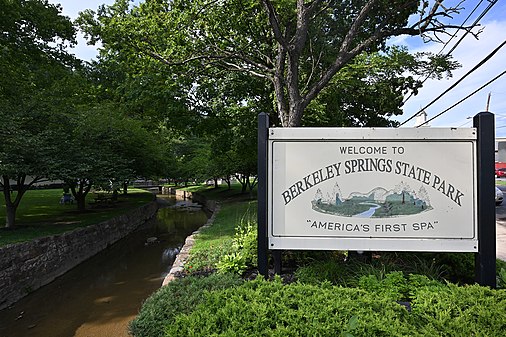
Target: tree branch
{"type": "Point", "coordinates": [345, 54]}
{"type": "Point", "coordinates": [279, 85]}
{"type": "Point", "coordinates": [162, 59]}
{"type": "Point", "coordinates": [273, 20]}
{"type": "Point", "coordinates": [352, 32]}
{"type": "Point", "coordinates": [236, 67]}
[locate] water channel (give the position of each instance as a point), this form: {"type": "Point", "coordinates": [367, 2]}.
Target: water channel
{"type": "Point", "coordinates": [100, 296]}
{"type": "Point", "coordinates": [370, 212]}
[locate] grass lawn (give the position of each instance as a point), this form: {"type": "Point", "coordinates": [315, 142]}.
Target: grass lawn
{"type": "Point", "coordinates": [222, 193]}
{"type": "Point", "coordinates": [40, 214]}
{"type": "Point", "coordinates": [215, 241]}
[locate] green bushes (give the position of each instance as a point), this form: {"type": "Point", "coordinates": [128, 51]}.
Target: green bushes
{"type": "Point", "coordinates": [243, 254]}
{"type": "Point", "coordinates": [179, 296]}
{"type": "Point", "coordinates": [261, 308]}
{"type": "Point", "coordinates": [460, 311]}
{"type": "Point", "coordinates": [457, 268]}
{"type": "Point", "coordinates": [221, 305]}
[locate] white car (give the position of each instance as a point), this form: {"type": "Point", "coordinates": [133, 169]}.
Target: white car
{"type": "Point", "coordinates": [498, 196]}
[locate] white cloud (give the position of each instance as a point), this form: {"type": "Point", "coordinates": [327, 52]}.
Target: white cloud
{"type": "Point", "coordinates": [71, 8]}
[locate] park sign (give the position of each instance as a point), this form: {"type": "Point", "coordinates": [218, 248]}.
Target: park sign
{"type": "Point", "coordinates": [403, 189]}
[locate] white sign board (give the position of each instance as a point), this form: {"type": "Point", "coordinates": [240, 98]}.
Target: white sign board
{"type": "Point", "coordinates": [372, 189]}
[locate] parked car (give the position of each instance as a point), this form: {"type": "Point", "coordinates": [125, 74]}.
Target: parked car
{"type": "Point", "coordinates": [500, 172]}
{"type": "Point", "coordinates": [498, 196]}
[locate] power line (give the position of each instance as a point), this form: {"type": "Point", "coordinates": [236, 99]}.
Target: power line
{"type": "Point", "coordinates": [475, 23]}
{"type": "Point", "coordinates": [461, 26]}
{"type": "Point", "coordinates": [462, 100]}
{"type": "Point", "coordinates": [492, 3]}
{"type": "Point", "coordinates": [482, 62]}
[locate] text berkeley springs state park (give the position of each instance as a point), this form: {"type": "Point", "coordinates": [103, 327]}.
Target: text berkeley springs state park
{"type": "Point", "coordinates": [383, 165]}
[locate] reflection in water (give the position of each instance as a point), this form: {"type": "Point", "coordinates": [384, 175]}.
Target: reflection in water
{"type": "Point", "coordinates": [100, 296]}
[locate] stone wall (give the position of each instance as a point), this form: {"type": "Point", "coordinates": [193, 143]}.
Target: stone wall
{"type": "Point", "coordinates": [27, 266]}
{"type": "Point", "coordinates": [183, 255]}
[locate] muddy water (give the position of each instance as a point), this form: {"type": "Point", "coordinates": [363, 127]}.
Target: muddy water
{"type": "Point", "coordinates": [100, 296]}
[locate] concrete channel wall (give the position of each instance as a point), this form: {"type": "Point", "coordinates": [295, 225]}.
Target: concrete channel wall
{"type": "Point", "coordinates": [184, 253]}
{"type": "Point", "coordinates": [182, 256]}
{"type": "Point", "coordinates": [27, 266]}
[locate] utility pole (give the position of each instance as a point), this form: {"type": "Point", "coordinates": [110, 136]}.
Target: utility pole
{"type": "Point", "coordinates": [488, 101]}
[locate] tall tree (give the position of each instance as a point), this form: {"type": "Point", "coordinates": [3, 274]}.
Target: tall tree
{"type": "Point", "coordinates": [298, 46]}
{"type": "Point", "coordinates": [100, 146]}
{"type": "Point", "coordinates": [31, 61]}
{"type": "Point", "coordinates": [370, 89]}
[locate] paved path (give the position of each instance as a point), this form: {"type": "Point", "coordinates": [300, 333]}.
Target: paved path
{"type": "Point", "coordinates": [501, 239]}
{"type": "Point", "coordinates": [500, 216]}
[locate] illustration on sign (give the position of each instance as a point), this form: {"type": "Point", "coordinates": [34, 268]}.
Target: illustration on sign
{"type": "Point", "coordinates": [378, 203]}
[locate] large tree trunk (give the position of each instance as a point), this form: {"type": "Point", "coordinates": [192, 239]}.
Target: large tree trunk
{"type": "Point", "coordinates": [243, 179]}
{"type": "Point", "coordinates": [11, 206]}
{"type": "Point", "coordinates": [80, 190]}
{"type": "Point", "coordinates": [10, 219]}
{"type": "Point", "coordinates": [81, 202]}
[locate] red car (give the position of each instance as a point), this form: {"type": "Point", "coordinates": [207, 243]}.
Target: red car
{"type": "Point", "coordinates": [500, 172]}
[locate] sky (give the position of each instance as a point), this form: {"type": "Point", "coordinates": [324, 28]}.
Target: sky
{"type": "Point", "coordinates": [468, 53]}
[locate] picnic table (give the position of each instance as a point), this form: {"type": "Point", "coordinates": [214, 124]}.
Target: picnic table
{"type": "Point", "coordinates": [105, 198]}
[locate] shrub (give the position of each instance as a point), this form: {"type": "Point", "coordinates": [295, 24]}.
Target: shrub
{"type": "Point", "coordinates": [438, 266]}
{"type": "Point", "coordinates": [501, 278]}
{"type": "Point", "coordinates": [262, 308]}
{"type": "Point", "coordinates": [340, 272]}
{"type": "Point", "coordinates": [321, 271]}
{"type": "Point", "coordinates": [460, 311]}
{"type": "Point", "coordinates": [394, 286]}
{"type": "Point", "coordinates": [179, 296]}
{"type": "Point", "coordinates": [243, 254]}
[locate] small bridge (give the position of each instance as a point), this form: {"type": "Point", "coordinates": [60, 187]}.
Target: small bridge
{"type": "Point", "coordinates": [148, 185]}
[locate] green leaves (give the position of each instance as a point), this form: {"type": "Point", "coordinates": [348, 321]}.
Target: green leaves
{"type": "Point", "coordinates": [262, 308]}
{"type": "Point", "coordinates": [299, 50]}
{"type": "Point", "coordinates": [179, 296]}
{"type": "Point", "coordinates": [371, 89]}
{"type": "Point", "coordinates": [243, 254]}
{"type": "Point", "coordinates": [32, 59]}
{"type": "Point", "coordinates": [31, 64]}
